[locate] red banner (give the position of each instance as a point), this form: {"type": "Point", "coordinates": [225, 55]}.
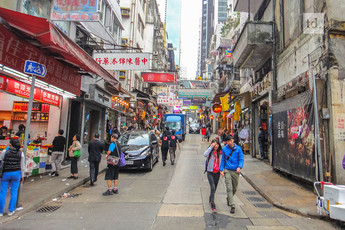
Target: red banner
{"type": "Point", "coordinates": [2, 82]}
{"type": "Point", "coordinates": [22, 89]}
{"type": "Point", "coordinates": [15, 52]}
{"type": "Point", "coordinates": [50, 98]}
{"type": "Point", "coordinates": [159, 77]}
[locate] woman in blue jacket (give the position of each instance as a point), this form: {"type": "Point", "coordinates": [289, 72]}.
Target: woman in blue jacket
{"type": "Point", "coordinates": [212, 168]}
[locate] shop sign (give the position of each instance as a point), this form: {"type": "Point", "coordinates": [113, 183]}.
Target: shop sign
{"type": "Point", "coordinates": [195, 93]}
{"type": "Point", "coordinates": [71, 10]}
{"type": "Point", "coordinates": [2, 82]}
{"type": "Point", "coordinates": [193, 107]}
{"type": "Point", "coordinates": [22, 89]}
{"type": "Point", "coordinates": [163, 100]}
{"type": "Point", "coordinates": [198, 100]}
{"type": "Point", "coordinates": [16, 51]}
{"type": "Point", "coordinates": [123, 61]}
{"type": "Point", "coordinates": [102, 98]}
{"type": "Point", "coordinates": [160, 91]}
{"type": "Point", "coordinates": [187, 102]}
{"type": "Point", "coordinates": [262, 87]}
{"type": "Point", "coordinates": [175, 103]}
{"type": "Point", "coordinates": [217, 108]}
{"type": "Point", "coordinates": [50, 98]}
{"type": "Point", "coordinates": [159, 77]}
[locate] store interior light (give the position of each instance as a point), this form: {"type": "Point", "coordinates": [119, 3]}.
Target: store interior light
{"type": "Point", "coordinates": [38, 82]}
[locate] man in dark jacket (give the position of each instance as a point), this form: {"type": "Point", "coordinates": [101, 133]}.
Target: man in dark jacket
{"type": "Point", "coordinates": [95, 149]}
{"type": "Point", "coordinates": [59, 143]}
{"type": "Point", "coordinates": [261, 143]}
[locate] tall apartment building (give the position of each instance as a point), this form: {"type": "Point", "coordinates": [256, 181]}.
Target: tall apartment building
{"type": "Point", "coordinates": [207, 29]}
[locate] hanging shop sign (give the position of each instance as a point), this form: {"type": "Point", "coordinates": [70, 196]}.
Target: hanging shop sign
{"type": "Point", "coordinates": [159, 77]}
{"type": "Point", "coordinates": [225, 102]}
{"type": "Point", "coordinates": [176, 103]}
{"type": "Point", "coordinates": [2, 82]}
{"type": "Point", "coordinates": [70, 10]}
{"type": "Point", "coordinates": [16, 51]}
{"type": "Point", "coordinates": [23, 90]}
{"type": "Point", "coordinates": [225, 43]}
{"type": "Point", "coordinates": [294, 136]}
{"type": "Point", "coordinates": [262, 87]}
{"type": "Point", "coordinates": [187, 102]}
{"type": "Point", "coordinates": [195, 93]}
{"type": "Point", "coordinates": [217, 108]}
{"type": "Point", "coordinates": [193, 107]}
{"type": "Point", "coordinates": [198, 100]}
{"type": "Point", "coordinates": [228, 53]}
{"type": "Point", "coordinates": [123, 61]}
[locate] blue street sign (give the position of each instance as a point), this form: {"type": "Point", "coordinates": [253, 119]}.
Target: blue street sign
{"type": "Point", "coordinates": [35, 68]}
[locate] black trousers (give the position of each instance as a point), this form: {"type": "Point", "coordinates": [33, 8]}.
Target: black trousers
{"type": "Point", "coordinates": [94, 169]}
{"type": "Point", "coordinates": [213, 179]}
{"type": "Point", "coordinates": [164, 153]}
{"type": "Point", "coordinates": [74, 165]}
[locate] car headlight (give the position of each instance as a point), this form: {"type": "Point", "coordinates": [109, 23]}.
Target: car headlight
{"type": "Point", "coordinates": [145, 153]}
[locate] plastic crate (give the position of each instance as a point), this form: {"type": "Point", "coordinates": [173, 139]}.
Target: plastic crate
{"type": "Point", "coordinates": [41, 170]}
{"type": "Point", "coordinates": [35, 172]}
{"type": "Point", "coordinates": [42, 165]}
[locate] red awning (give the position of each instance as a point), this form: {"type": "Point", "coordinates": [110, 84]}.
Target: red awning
{"type": "Point", "coordinates": [56, 41]}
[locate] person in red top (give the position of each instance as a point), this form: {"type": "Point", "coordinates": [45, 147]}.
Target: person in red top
{"type": "Point", "coordinates": [172, 146]}
{"type": "Point", "coordinates": [212, 168]}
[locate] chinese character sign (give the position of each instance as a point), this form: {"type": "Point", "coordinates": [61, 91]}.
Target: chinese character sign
{"type": "Point", "coordinates": [195, 93]}
{"type": "Point", "coordinates": [2, 82]}
{"type": "Point", "coordinates": [75, 10]}
{"type": "Point", "coordinates": [159, 77]}
{"type": "Point", "coordinates": [123, 61]}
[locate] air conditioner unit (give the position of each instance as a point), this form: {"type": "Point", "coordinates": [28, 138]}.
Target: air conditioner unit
{"type": "Point", "coordinates": [86, 96]}
{"type": "Point", "coordinates": [155, 53]}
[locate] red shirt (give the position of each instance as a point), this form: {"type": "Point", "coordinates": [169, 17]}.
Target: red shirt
{"type": "Point", "coordinates": [215, 163]}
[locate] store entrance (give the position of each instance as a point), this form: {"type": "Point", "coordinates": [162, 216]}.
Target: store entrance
{"type": "Point", "coordinates": [75, 121]}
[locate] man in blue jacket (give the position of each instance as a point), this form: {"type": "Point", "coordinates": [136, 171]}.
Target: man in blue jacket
{"type": "Point", "coordinates": [230, 167]}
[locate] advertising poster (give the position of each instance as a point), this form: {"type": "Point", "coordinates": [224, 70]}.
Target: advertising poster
{"type": "Point", "coordinates": [294, 141]}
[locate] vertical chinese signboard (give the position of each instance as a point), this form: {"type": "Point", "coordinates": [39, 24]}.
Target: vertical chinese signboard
{"type": "Point", "coordinates": [75, 10]}
{"type": "Point", "coordinates": [294, 138]}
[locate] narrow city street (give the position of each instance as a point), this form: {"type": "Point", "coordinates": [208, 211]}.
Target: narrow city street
{"type": "Point", "coordinates": [170, 197]}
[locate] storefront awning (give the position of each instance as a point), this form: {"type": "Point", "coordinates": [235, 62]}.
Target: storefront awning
{"type": "Point", "coordinates": [123, 91]}
{"type": "Point", "coordinates": [54, 40]}
{"type": "Point", "coordinates": [217, 97]}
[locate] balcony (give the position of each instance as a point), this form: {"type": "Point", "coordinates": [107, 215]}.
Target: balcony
{"type": "Point", "coordinates": [253, 47]}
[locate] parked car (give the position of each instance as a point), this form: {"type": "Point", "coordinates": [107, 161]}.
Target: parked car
{"type": "Point", "coordinates": [141, 149]}
{"type": "Point", "coordinates": [194, 128]}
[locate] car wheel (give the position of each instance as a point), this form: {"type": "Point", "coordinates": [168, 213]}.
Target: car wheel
{"type": "Point", "coordinates": [150, 164]}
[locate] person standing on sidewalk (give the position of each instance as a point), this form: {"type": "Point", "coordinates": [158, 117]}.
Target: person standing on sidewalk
{"type": "Point", "coordinates": [95, 149]}
{"type": "Point", "coordinates": [112, 171]}
{"type": "Point", "coordinates": [59, 144]}
{"type": "Point", "coordinates": [13, 173]}
{"type": "Point", "coordinates": [164, 142]}
{"type": "Point", "coordinates": [261, 140]}
{"type": "Point", "coordinates": [172, 147]}
{"type": "Point", "coordinates": [74, 154]}
{"type": "Point", "coordinates": [230, 167]}
{"type": "Point", "coordinates": [212, 168]}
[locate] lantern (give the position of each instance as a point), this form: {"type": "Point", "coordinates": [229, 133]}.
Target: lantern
{"type": "Point", "coordinates": [217, 108]}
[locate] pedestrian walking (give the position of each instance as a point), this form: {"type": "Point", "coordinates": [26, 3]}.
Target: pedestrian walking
{"type": "Point", "coordinates": [95, 149]}
{"type": "Point", "coordinates": [236, 138]}
{"type": "Point", "coordinates": [112, 171]}
{"type": "Point", "coordinates": [208, 134]}
{"type": "Point", "coordinates": [58, 149]}
{"type": "Point", "coordinates": [230, 167]}
{"type": "Point", "coordinates": [164, 142]}
{"type": "Point", "coordinates": [74, 154]}
{"type": "Point", "coordinates": [212, 168]}
{"type": "Point", "coordinates": [172, 146]}
{"type": "Point", "coordinates": [261, 140]}
{"type": "Point", "coordinates": [203, 133]}
{"type": "Point", "coordinates": [13, 173]}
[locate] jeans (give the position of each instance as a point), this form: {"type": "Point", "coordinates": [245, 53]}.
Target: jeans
{"type": "Point", "coordinates": [231, 182]}
{"type": "Point", "coordinates": [172, 151]}
{"type": "Point", "coordinates": [164, 154]}
{"type": "Point", "coordinates": [56, 159]}
{"type": "Point", "coordinates": [261, 147]}
{"type": "Point", "coordinates": [94, 168]}
{"type": "Point", "coordinates": [12, 178]}
{"type": "Point", "coordinates": [74, 165]}
{"type": "Point", "coordinates": [213, 179]}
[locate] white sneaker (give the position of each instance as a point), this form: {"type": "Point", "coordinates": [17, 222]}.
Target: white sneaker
{"type": "Point", "coordinates": [11, 213]}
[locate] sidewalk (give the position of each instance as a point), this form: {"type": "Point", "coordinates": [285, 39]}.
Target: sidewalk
{"type": "Point", "coordinates": [38, 190]}
{"type": "Point", "coordinates": [278, 190]}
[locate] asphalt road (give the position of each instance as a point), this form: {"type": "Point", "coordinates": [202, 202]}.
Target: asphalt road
{"type": "Point", "coordinates": [170, 197]}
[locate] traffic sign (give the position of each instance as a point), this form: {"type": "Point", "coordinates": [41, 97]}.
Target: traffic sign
{"type": "Point", "coordinates": [35, 68]}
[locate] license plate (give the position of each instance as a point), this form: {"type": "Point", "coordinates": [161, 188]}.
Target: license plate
{"type": "Point", "coordinates": [129, 162]}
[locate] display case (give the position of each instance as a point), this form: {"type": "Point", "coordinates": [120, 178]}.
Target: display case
{"type": "Point", "coordinates": [39, 113]}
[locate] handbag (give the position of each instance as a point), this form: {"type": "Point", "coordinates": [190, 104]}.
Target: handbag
{"type": "Point", "coordinates": [71, 153]}
{"type": "Point", "coordinates": [76, 153]}
{"type": "Point", "coordinates": [114, 160]}
{"type": "Point", "coordinates": [122, 160]}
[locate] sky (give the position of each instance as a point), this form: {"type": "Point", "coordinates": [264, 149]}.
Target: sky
{"type": "Point", "coordinates": [190, 16]}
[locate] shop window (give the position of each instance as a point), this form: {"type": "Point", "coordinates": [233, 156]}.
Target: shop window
{"type": "Point", "coordinates": [39, 8]}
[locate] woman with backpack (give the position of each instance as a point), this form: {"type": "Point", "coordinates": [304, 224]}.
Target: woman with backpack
{"type": "Point", "coordinates": [212, 168]}
{"type": "Point", "coordinates": [164, 142]}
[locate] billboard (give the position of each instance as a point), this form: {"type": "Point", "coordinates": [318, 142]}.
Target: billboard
{"type": "Point", "coordinates": [75, 10]}
{"type": "Point", "coordinates": [159, 77]}
{"type": "Point", "coordinates": [123, 61]}
{"type": "Point", "coordinates": [198, 100]}
{"type": "Point", "coordinates": [294, 137]}
{"type": "Point", "coordinates": [195, 93]}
